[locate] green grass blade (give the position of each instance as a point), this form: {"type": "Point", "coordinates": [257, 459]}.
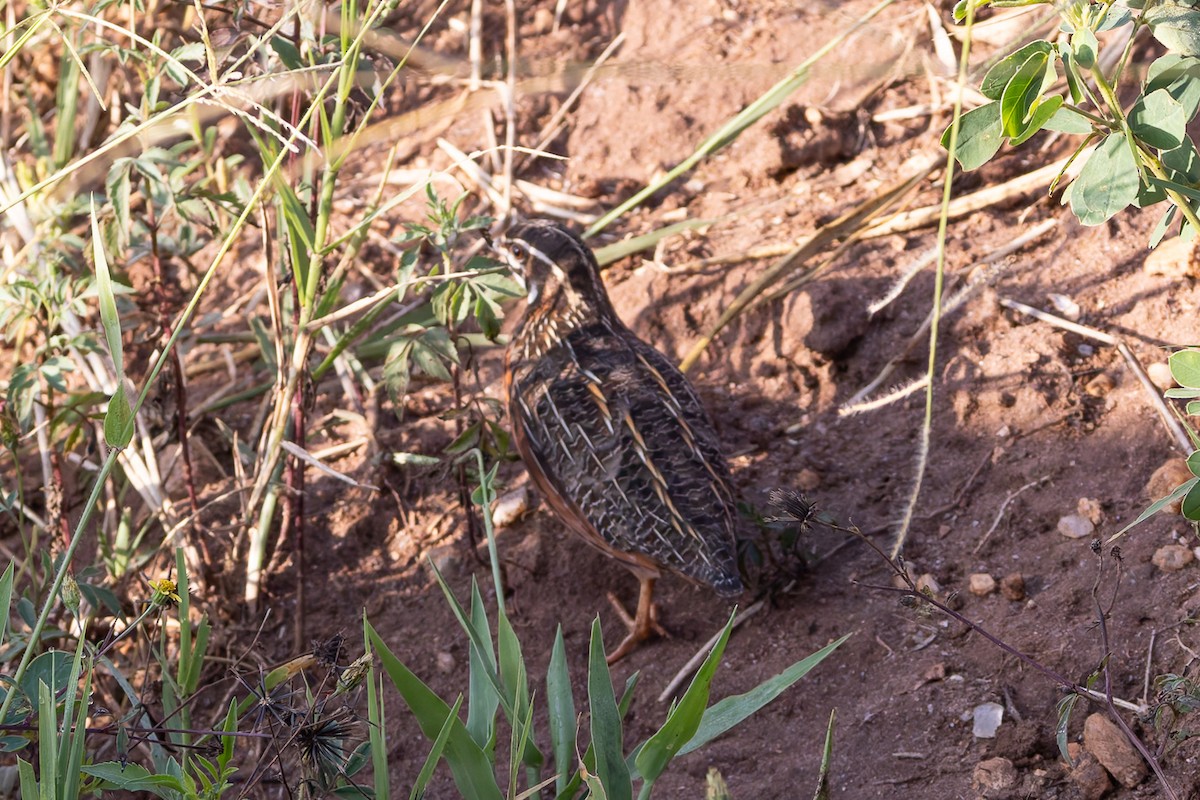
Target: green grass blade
{"type": "Point", "coordinates": [47, 735]}
{"type": "Point", "coordinates": [435, 753]}
{"type": "Point", "coordinates": [469, 764]}
{"type": "Point", "coordinates": [822, 792]}
{"type": "Point", "coordinates": [684, 719]}
{"type": "Point", "coordinates": [73, 757]}
{"type": "Point", "coordinates": [513, 675]}
{"type": "Point", "coordinates": [732, 710]}
{"type": "Point", "coordinates": [378, 733]}
{"type": "Point", "coordinates": [489, 669]}
{"type": "Point", "coordinates": [606, 723]}
{"type": "Point", "coordinates": [635, 244]}
{"type": "Point", "coordinates": [561, 705]}
{"type": "Point", "coordinates": [482, 699]}
{"type": "Point", "coordinates": [1155, 507]}
{"type": "Point", "coordinates": [108, 302]}
{"type": "Point", "coordinates": [6, 586]}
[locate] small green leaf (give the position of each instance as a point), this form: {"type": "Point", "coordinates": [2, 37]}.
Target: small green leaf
{"type": "Point", "coordinates": [999, 76]}
{"type": "Point", "coordinates": [1185, 367]}
{"type": "Point", "coordinates": [1084, 47]}
{"type": "Point", "coordinates": [979, 136]}
{"type": "Point", "coordinates": [1107, 184]}
{"type": "Point", "coordinates": [561, 706]}
{"type": "Point", "coordinates": [108, 303]}
{"type": "Point", "coordinates": [1190, 507]}
{"type": "Point", "coordinates": [1176, 24]}
{"type": "Point", "coordinates": [1193, 463]}
{"type": "Point", "coordinates": [118, 420]}
{"type": "Point", "coordinates": [731, 711]}
{"type": "Point", "coordinates": [684, 719]}
{"type": "Point", "coordinates": [1068, 120]}
{"type": "Point", "coordinates": [1179, 75]}
{"type": "Point", "coordinates": [1065, 707]}
{"type": "Point", "coordinates": [606, 723]}
{"type": "Point", "coordinates": [1042, 114]}
{"type": "Point", "coordinates": [1158, 120]}
{"type": "Point", "coordinates": [1022, 95]}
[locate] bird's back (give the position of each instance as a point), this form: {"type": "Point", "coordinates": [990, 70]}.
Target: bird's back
{"type": "Point", "coordinates": [617, 438]}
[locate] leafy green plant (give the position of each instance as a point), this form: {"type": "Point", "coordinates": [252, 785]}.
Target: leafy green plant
{"type": "Point", "coordinates": [1142, 153]}
{"type": "Point", "coordinates": [498, 682]}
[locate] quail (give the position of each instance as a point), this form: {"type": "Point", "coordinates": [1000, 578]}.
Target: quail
{"type": "Point", "coordinates": [612, 434]}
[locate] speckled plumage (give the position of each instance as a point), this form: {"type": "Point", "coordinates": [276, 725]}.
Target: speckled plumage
{"type": "Point", "coordinates": [611, 432]}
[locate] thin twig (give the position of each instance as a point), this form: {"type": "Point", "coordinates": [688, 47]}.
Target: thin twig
{"type": "Point", "coordinates": [1164, 412]}
{"type": "Point", "coordinates": [1000, 512]}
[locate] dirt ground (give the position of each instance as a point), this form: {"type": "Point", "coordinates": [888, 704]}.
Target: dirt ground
{"type": "Point", "coordinates": [1029, 420]}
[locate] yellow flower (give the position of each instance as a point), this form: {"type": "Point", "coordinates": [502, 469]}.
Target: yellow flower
{"type": "Point", "coordinates": [166, 593]}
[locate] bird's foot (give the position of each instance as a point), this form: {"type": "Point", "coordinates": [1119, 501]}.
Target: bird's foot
{"type": "Point", "coordinates": [640, 629]}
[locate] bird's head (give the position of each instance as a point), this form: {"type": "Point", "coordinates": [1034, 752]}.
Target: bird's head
{"type": "Point", "coordinates": [557, 268]}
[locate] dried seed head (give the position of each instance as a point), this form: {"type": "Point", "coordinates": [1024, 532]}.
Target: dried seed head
{"type": "Point", "coordinates": [790, 506]}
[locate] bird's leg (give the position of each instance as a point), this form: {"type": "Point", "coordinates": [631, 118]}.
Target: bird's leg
{"type": "Point", "coordinates": [640, 627]}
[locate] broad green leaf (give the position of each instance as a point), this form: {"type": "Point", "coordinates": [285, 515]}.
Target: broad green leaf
{"type": "Point", "coordinates": [118, 419]}
{"type": "Point", "coordinates": [6, 586]}
{"type": "Point", "coordinates": [1158, 120]}
{"type": "Point", "coordinates": [561, 706]}
{"type": "Point", "coordinates": [684, 719]}
{"type": "Point", "coordinates": [1193, 463]}
{"type": "Point", "coordinates": [1179, 75]}
{"type": "Point", "coordinates": [469, 764]}
{"type": "Point", "coordinates": [731, 711]}
{"type": "Point", "coordinates": [606, 723]}
{"type": "Point", "coordinates": [1190, 507]}
{"type": "Point", "coordinates": [1183, 163]}
{"type": "Point", "coordinates": [1023, 93]}
{"type": "Point", "coordinates": [1176, 24]}
{"type": "Point", "coordinates": [979, 136]}
{"type": "Point", "coordinates": [1185, 367]}
{"type": "Point", "coordinates": [1068, 120]}
{"type": "Point", "coordinates": [1042, 114]}
{"type": "Point", "coordinates": [1084, 47]}
{"type": "Point", "coordinates": [52, 668]}
{"type": "Point", "coordinates": [135, 778]}
{"type": "Point", "coordinates": [1107, 184]}
{"type": "Point", "coordinates": [1193, 409]}
{"type": "Point", "coordinates": [998, 77]}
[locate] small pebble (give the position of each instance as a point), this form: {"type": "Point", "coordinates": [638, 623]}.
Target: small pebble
{"type": "Point", "coordinates": [446, 662]}
{"type": "Point", "coordinates": [1172, 557]}
{"type": "Point", "coordinates": [1089, 508]}
{"type": "Point", "coordinates": [981, 584]}
{"type": "Point", "coordinates": [543, 20]}
{"type": "Point", "coordinates": [994, 778]}
{"type": "Point", "coordinates": [988, 717]}
{"type": "Point", "coordinates": [1086, 350]}
{"type": "Point", "coordinates": [510, 507]}
{"type": "Point", "coordinates": [1170, 475]}
{"type": "Point", "coordinates": [1075, 526]}
{"type": "Point", "coordinates": [927, 584]}
{"type": "Point", "coordinates": [1012, 586]}
{"type": "Point", "coordinates": [808, 479]}
{"type": "Point", "coordinates": [1065, 306]}
{"type": "Point", "coordinates": [1160, 375]}
{"type": "Point", "coordinates": [1103, 739]}
{"type": "Point", "coordinates": [1090, 779]}
{"type": "Point", "coordinates": [1100, 385]}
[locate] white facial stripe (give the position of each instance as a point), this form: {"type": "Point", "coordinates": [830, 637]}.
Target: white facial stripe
{"type": "Point", "coordinates": [549, 262]}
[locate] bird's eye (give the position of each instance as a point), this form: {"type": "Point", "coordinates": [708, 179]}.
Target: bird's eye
{"type": "Point", "coordinates": [518, 251]}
